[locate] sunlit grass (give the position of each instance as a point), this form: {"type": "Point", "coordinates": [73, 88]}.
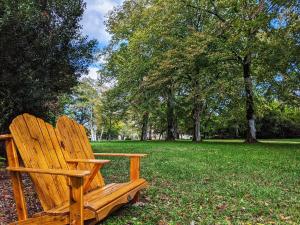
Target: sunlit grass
{"type": "Point", "coordinates": [215, 182]}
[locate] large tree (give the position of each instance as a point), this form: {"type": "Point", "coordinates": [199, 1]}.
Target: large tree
{"type": "Point", "coordinates": [207, 56]}
{"type": "Point", "coordinates": [250, 32]}
{"type": "Point", "coordinates": [128, 64]}
{"type": "Point", "coordinates": [42, 55]}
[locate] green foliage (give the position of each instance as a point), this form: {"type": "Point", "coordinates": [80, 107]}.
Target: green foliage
{"type": "Point", "coordinates": [83, 102]}
{"type": "Point", "coordinates": [209, 60]}
{"type": "Point", "coordinates": [217, 182]}
{"type": "Point", "coordinates": [278, 120]}
{"type": "Point", "coordinates": [42, 56]}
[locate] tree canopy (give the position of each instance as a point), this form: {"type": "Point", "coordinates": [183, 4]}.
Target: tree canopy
{"type": "Point", "coordinates": [42, 56]}
{"type": "Point", "coordinates": [204, 64]}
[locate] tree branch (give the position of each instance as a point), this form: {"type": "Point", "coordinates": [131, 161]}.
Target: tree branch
{"type": "Point", "coordinates": [214, 12]}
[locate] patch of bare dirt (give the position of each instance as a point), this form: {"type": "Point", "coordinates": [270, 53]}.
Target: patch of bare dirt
{"type": "Point", "coordinates": [7, 204]}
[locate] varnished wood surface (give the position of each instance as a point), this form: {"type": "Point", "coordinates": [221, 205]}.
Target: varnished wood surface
{"type": "Point", "coordinates": [76, 201]}
{"type": "Point", "coordinates": [120, 154]}
{"type": "Point", "coordinates": [48, 158]}
{"type": "Point", "coordinates": [18, 189]}
{"type": "Point", "coordinates": [4, 137]}
{"type": "Point", "coordinates": [92, 161]}
{"type": "Point", "coordinates": [39, 148]}
{"type": "Point", "coordinates": [76, 146]}
{"type": "Point", "coordinates": [100, 197]}
{"type": "Point", "coordinates": [69, 173]}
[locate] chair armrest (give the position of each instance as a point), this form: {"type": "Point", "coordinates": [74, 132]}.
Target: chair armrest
{"type": "Point", "coordinates": [120, 154]}
{"type": "Point", "coordinates": [93, 161]}
{"type": "Point", "coordinates": [68, 173]}
{"type": "Point", "coordinates": [134, 168]}
{"type": "Point", "coordinates": [4, 137]}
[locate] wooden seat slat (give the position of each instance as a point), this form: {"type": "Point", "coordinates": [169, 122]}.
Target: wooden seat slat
{"type": "Point", "coordinates": [96, 194]}
{"type": "Point", "coordinates": [96, 204]}
{"type": "Point", "coordinates": [101, 197]}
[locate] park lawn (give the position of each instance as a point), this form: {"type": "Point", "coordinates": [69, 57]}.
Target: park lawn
{"type": "Point", "coordinates": [215, 182]}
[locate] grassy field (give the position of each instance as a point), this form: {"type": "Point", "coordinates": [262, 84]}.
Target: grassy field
{"type": "Point", "coordinates": [215, 182]}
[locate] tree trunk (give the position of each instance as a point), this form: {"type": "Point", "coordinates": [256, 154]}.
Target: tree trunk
{"type": "Point", "coordinates": [196, 113]}
{"type": "Point", "coordinates": [150, 132]}
{"type": "Point", "coordinates": [196, 119]}
{"type": "Point", "coordinates": [237, 131]}
{"type": "Point", "coordinates": [171, 129]}
{"type": "Point", "coordinates": [101, 134]}
{"type": "Point", "coordinates": [250, 114]}
{"type": "Point", "coordinates": [144, 126]}
{"type": "Point", "coordinates": [109, 129]}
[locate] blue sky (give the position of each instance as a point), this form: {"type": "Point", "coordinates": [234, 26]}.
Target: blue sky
{"type": "Point", "coordinates": [93, 23]}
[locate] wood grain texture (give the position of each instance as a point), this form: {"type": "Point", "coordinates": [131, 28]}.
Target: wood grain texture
{"type": "Point", "coordinates": [134, 168]}
{"type": "Point", "coordinates": [48, 154]}
{"type": "Point", "coordinates": [92, 161]}
{"type": "Point", "coordinates": [69, 173]}
{"type": "Point", "coordinates": [103, 196]}
{"type": "Point", "coordinates": [135, 173]}
{"type": "Point", "coordinates": [90, 179]}
{"type": "Point", "coordinates": [120, 154]}
{"type": "Point", "coordinates": [29, 147]}
{"type": "Point", "coordinates": [117, 202]}
{"type": "Point", "coordinates": [4, 137]}
{"type": "Point", "coordinates": [76, 201]}
{"type": "Point", "coordinates": [76, 144]}
{"type": "Point", "coordinates": [97, 204]}
{"type": "Point", "coordinates": [18, 189]}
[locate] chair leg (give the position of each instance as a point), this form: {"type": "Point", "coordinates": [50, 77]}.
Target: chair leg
{"type": "Point", "coordinates": [136, 198]}
{"type": "Point", "coordinates": [76, 201]}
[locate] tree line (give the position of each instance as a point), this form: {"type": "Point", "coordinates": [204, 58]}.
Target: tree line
{"type": "Point", "coordinates": [205, 68]}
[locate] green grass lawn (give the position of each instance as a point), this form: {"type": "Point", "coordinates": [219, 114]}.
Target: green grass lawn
{"type": "Point", "coordinates": [215, 182]}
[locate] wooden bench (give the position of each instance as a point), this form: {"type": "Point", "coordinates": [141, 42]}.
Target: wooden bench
{"type": "Point", "coordinates": [68, 195]}
{"type": "Point", "coordinates": [73, 136]}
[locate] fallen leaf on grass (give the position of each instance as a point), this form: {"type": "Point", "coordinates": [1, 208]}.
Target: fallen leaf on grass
{"type": "Point", "coordinates": [221, 207]}
{"type": "Point", "coordinates": [284, 218]}
{"type": "Point", "coordinates": [162, 222]}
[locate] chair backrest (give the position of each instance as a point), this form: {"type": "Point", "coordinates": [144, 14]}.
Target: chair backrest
{"type": "Point", "coordinates": [77, 144]}
{"type": "Point", "coordinates": [39, 146]}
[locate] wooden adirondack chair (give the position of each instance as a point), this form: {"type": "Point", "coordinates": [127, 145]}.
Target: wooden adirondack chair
{"type": "Point", "coordinates": [60, 189]}
{"type": "Point", "coordinates": [74, 137]}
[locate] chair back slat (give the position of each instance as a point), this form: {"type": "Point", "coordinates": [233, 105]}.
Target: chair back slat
{"type": "Point", "coordinates": [77, 145]}
{"type": "Point", "coordinates": [38, 145]}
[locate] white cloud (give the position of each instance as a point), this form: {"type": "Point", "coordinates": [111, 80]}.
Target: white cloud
{"type": "Point", "coordinates": [93, 24]}
{"type": "Point", "coordinates": [93, 73]}
{"type": "Point", "coordinates": [94, 17]}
